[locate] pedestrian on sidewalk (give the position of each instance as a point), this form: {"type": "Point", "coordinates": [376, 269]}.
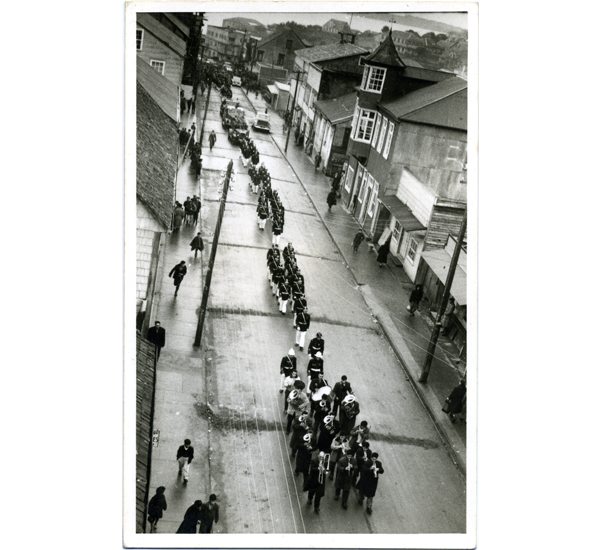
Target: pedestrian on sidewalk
{"type": "Point", "coordinates": [318, 159]}
{"type": "Point", "coordinates": [197, 244]}
{"type": "Point", "coordinates": [212, 139]}
{"type": "Point", "coordinates": [185, 455]}
{"type": "Point", "coordinates": [367, 486]}
{"type": "Point", "coordinates": [331, 199]}
{"type": "Point", "coordinates": [455, 400]}
{"type": "Point", "coordinates": [382, 255]}
{"type": "Point", "coordinates": [447, 317]}
{"type": "Point", "coordinates": [192, 105]}
{"type": "Point", "coordinates": [358, 238]}
{"type": "Point", "coordinates": [157, 504]}
{"type": "Point", "coordinates": [209, 513]}
{"type": "Point", "coordinates": [302, 326]}
{"type": "Point", "coordinates": [197, 202]}
{"type": "Point", "coordinates": [415, 299]}
{"type": "Point", "coordinates": [157, 335]}
{"type": "Point", "coordinates": [178, 273]}
{"type": "Point", "coordinates": [191, 519]}
{"type": "Point", "coordinates": [178, 215]}
{"type": "Point", "coordinates": [182, 104]}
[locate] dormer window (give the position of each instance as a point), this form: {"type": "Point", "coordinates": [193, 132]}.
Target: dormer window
{"type": "Point", "coordinates": [373, 78]}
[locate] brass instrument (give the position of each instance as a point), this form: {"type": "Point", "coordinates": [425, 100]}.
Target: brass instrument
{"type": "Point", "coordinates": [324, 460]}
{"type": "Point", "coordinates": [348, 405]}
{"type": "Point", "coordinates": [320, 393]}
{"type": "Point", "coordinates": [375, 469]}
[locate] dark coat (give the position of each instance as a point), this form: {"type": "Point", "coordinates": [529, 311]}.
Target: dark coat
{"type": "Point", "coordinates": [343, 477]}
{"type": "Point", "coordinates": [190, 520]}
{"type": "Point", "coordinates": [197, 243]}
{"type": "Point", "coordinates": [358, 238]}
{"type": "Point", "coordinates": [298, 432]}
{"type": "Point", "coordinates": [316, 344]}
{"type": "Point", "coordinates": [382, 255]}
{"type": "Point", "coordinates": [178, 273]}
{"type": "Point", "coordinates": [325, 439]}
{"type": "Point", "coordinates": [331, 198]}
{"type": "Point", "coordinates": [315, 366]}
{"type": "Point", "coordinates": [312, 482]}
{"type": "Point", "coordinates": [416, 295]}
{"type": "Point", "coordinates": [157, 504]}
{"type": "Point", "coordinates": [456, 399]}
{"type": "Point", "coordinates": [157, 335]}
{"type": "Point", "coordinates": [189, 453]}
{"type": "Point", "coordinates": [340, 391]}
{"type": "Point", "coordinates": [303, 321]}
{"type": "Point", "coordinates": [288, 364]}
{"type": "Point", "coordinates": [303, 457]}
{"type": "Point", "coordinates": [207, 516]}
{"type": "Point", "coordinates": [367, 484]}
{"type": "Point", "coordinates": [347, 422]}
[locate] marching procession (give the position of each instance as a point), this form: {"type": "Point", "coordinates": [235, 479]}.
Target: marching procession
{"type": "Point", "coordinates": [325, 441]}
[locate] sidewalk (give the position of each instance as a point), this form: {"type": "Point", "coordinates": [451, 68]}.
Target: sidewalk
{"type": "Point", "coordinates": [386, 293]}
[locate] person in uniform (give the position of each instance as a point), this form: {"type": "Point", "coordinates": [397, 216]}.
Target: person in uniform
{"type": "Point", "coordinates": [348, 412]}
{"type": "Point", "coordinates": [317, 344]}
{"type": "Point", "coordinates": [340, 391]}
{"type": "Point", "coordinates": [302, 326]}
{"type": "Point", "coordinates": [287, 366]}
{"type": "Point", "coordinates": [284, 296]}
{"type": "Point", "coordinates": [303, 456]}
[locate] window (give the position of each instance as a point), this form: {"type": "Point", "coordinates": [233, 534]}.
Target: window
{"type": "Point", "coordinates": [288, 44]}
{"type": "Point", "coordinates": [376, 132]}
{"type": "Point", "coordinates": [158, 65]}
{"type": "Point", "coordinates": [388, 141]}
{"type": "Point", "coordinates": [382, 135]}
{"type": "Point", "coordinates": [139, 39]}
{"type": "Point", "coordinates": [349, 176]}
{"type": "Point", "coordinates": [373, 78]}
{"type": "Point", "coordinates": [363, 188]}
{"type": "Point", "coordinates": [280, 59]}
{"type": "Point", "coordinates": [373, 198]}
{"type": "Point", "coordinates": [354, 119]}
{"type": "Point", "coordinates": [261, 53]}
{"type": "Point", "coordinates": [412, 250]}
{"type": "Point", "coordinates": [396, 231]}
{"type": "Point", "coordinates": [364, 128]}
{"type": "Point", "coordinates": [454, 153]}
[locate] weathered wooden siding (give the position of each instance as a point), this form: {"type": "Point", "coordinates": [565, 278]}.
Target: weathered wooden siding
{"type": "Point", "coordinates": [444, 221]}
{"type": "Point", "coordinates": [152, 48]}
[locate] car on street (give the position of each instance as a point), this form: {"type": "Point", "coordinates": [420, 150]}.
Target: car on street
{"type": "Point", "coordinates": [236, 81]}
{"type": "Point", "coordinates": [261, 122]}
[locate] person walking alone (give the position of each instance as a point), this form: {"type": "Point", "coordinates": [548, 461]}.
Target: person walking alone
{"type": "Point", "coordinates": [197, 244]}
{"type": "Point", "coordinates": [455, 400]}
{"type": "Point", "coordinates": [178, 273]}
{"type": "Point", "coordinates": [331, 199]}
{"type": "Point", "coordinates": [212, 139]}
{"type": "Point", "coordinates": [185, 455]}
{"type": "Point", "coordinates": [157, 504]}
{"type": "Point", "coordinates": [209, 513]}
{"type": "Point", "coordinates": [358, 238]}
{"type": "Point", "coordinates": [382, 255]}
{"type": "Point", "coordinates": [157, 335]}
{"type": "Point", "coordinates": [415, 299]}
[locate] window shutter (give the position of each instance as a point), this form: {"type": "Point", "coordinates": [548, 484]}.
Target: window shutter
{"type": "Point", "coordinates": [382, 135]}
{"type": "Point", "coordinates": [388, 142]}
{"type": "Point", "coordinates": [376, 130]}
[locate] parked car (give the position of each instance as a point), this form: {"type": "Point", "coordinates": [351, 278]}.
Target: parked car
{"type": "Point", "coordinates": [236, 81]}
{"type": "Point", "coordinates": [261, 122]}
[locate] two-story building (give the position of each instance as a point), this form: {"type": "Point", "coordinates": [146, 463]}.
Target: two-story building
{"type": "Point", "coordinates": [405, 180]}
{"type": "Point", "coordinates": [277, 52]}
{"type": "Point", "coordinates": [224, 44]}
{"type": "Point", "coordinates": [161, 41]}
{"type": "Point", "coordinates": [327, 71]}
{"type": "Point", "coordinates": [336, 26]}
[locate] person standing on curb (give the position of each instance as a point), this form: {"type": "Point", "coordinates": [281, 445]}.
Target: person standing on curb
{"type": "Point", "coordinates": [157, 335]}
{"type": "Point", "coordinates": [358, 238]}
{"type": "Point", "coordinates": [382, 255]}
{"type": "Point", "coordinates": [197, 244]}
{"type": "Point", "coordinates": [178, 273]}
{"type": "Point", "coordinates": [191, 519]}
{"type": "Point", "coordinates": [415, 299]}
{"type": "Point", "coordinates": [212, 139]}
{"type": "Point", "coordinates": [185, 455]}
{"type": "Point", "coordinates": [157, 504]}
{"type": "Point", "coordinates": [209, 513]}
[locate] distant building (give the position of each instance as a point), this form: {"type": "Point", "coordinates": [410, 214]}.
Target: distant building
{"type": "Point", "coordinates": [277, 50]}
{"type": "Point", "coordinates": [224, 44]}
{"type": "Point", "coordinates": [161, 40]}
{"type": "Point", "coordinates": [336, 26]}
{"type": "Point", "coordinates": [251, 26]}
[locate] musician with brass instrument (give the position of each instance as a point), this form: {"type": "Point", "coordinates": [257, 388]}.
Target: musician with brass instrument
{"type": "Point", "coordinates": [340, 390]}
{"type": "Point", "coordinates": [346, 466]}
{"type": "Point", "coordinates": [298, 403]}
{"type": "Point", "coordinates": [317, 476]}
{"type": "Point", "coordinates": [362, 453]}
{"type": "Point", "coordinates": [359, 434]}
{"type": "Point", "coordinates": [317, 389]}
{"type": "Point", "coordinates": [323, 408]}
{"type": "Point", "coordinates": [288, 385]}
{"type": "Point", "coordinates": [367, 486]}
{"type": "Point", "coordinates": [300, 426]}
{"type": "Point", "coordinates": [348, 411]}
{"type": "Point", "coordinates": [304, 456]}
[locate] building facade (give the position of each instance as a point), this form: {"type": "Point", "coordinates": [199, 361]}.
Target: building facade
{"type": "Point", "coordinates": [277, 50]}
{"type": "Point", "coordinates": [405, 179]}
{"type": "Point", "coordinates": [335, 26]}
{"type": "Point", "coordinates": [225, 44]}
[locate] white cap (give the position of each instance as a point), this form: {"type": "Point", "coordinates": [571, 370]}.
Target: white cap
{"type": "Point", "coordinates": [291, 352]}
{"type": "Point", "coordinates": [318, 354]}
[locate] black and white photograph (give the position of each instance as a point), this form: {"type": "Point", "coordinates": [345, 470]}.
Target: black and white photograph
{"type": "Point", "coordinates": [303, 319]}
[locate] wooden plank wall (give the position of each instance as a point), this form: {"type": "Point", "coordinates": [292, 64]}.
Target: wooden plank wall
{"type": "Point", "coordinates": [152, 48]}
{"type": "Point", "coordinates": [444, 221]}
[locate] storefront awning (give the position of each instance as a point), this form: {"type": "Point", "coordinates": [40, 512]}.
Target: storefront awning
{"type": "Point", "coordinates": [402, 213]}
{"type": "Point", "coordinates": [272, 89]}
{"type": "Point", "coordinates": [439, 262]}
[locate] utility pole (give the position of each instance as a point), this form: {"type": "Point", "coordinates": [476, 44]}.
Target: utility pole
{"type": "Point", "coordinates": [438, 322]}
{"type": "Point", "coordinates": [293, 107]}
{"type": "Point", "coordinates": [213, 254]}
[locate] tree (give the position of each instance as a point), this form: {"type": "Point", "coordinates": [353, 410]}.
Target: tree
{"type": "Point", "coordinates": [385, 29]}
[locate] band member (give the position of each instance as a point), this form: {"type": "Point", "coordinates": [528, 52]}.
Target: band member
{"type": "Point", "coordinates": [327, 435]}
{"type": "Point", "coordinates": [299, 304]}
{"type": "Point", "coordinates": [304, 455]}
{"type": "Point", "coordinates": [359, 434]}
{"type": "Point", "coordinates": [348, 411]}
{"type": "Point", "coordinates": [302, 325]}
{"type": "Point", "coordinates": [298, 403]}
{"type": "Point", "coordinates": [323, 410]}
{"type": "Point", "coordinates": [362, 453]}
{"type": "Point", "coordinates": [317, 476]}
{"type": "Point", "coordinates": [315, 367]}
{"type": "Point", "coordinates": [284, 296]}
{"type": "Point", "coordinates": [340, 390]}
{"type": "Point", "coordinates": [346, 466]}
{"type": "Point", "coordinates": [277, 280]}
{"type": "Point", "coordinates": [288, 384]}
{"type": "Point", "coordinates": [317, 382]}
{"type": "Point", "coordinates": [287, 366]}
{"type": "Point", "coordinates": [339, 447]}
{"type": "Point", "coordinates": [316, 344]}
{"type": "Point", "coordinates": [367, 486]}
{"type": "Point", "coordinates": [300, 426]}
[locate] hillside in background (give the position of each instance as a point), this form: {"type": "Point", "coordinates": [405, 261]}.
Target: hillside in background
{"type": "Point", "coordinates": [413, 20]}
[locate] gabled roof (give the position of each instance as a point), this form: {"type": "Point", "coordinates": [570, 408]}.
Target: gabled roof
{"type": "Point", "coordinates": [337, 109]}
{"type": "Point", "coordinates": [160, 31]}
{"type": "Point", "coordinates": [161, 89]}
{"type": "Point", "coordinates": [273, 36]}
{"type": "Point", "coordinates": [442, 104]}
{"type": "Point", "coordinates": [329, 51]}
{"type": "Point", "coordinates": [157, 142]}
{"type": "Point", "coordinates": [385, 54]}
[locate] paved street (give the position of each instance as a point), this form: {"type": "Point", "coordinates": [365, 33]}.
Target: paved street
{"type": "Point", "coordinates": [224, 396]}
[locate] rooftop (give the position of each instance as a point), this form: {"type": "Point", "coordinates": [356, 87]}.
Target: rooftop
{"type": "Point", "coordinates": [442, 104]}
{"type": "Point", "coordinates": [160, 88]}
{"type": "Point", "coordinates": [157, 143]}
{"type": "Point", "coordinates": [329, 51]}
{"type": "Point", "coordinates": [338, 108]}
{"type": "Point", "coordinates": [385, 54]}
